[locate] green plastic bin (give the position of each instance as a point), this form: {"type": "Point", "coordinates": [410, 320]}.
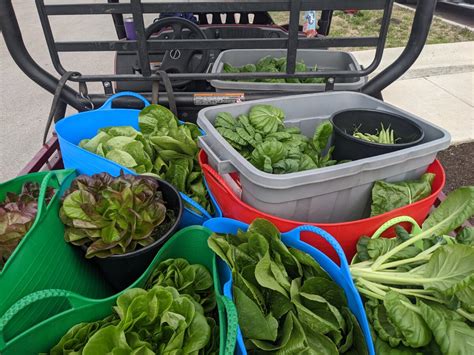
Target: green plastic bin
{"type": "Point", "coordinates": [189, 243]}
{"type": "Point", "coordinates": [43, 260]}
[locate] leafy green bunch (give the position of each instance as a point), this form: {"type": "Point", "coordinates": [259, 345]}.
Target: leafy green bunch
{"type": "Point", "coordinates": [387, 196]}
{"type": "Point", "coordinates": [157, 320]}
{"type": "Point", "coordinates": [419, 289]}
{"type": "Point", "coordinates": [262, 138]}
{"type": "Point", "coordinates": [190, 279]}
{"type": "Point", "coordinates": [270, 64]}
{"type": "Point", "coordinates": [286, 303]}
{"type": "Point", "coordinates": [112, 215]}
{"type": "Point", "coordinates": [164, 147]}
{"type": "Point", "coordinates": [17, 215]}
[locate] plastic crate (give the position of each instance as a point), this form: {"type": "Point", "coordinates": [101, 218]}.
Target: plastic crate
{"type": "Point", "coordinates": [338, 193]}
{"type": "Point", "coordinates": [73, 129]}
{"type": "Point", "coordinates": [189, 243]}
{"type": "Point", "coordinates": [44, 260]}
{"type": "Point", "coordinates": [324, 59]}
{"type": "Point", "coordinates": [347, 234]}
{"type": "Point", "coordinates": [339, 273]}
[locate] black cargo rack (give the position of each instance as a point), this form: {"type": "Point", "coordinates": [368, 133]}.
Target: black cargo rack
{"type": "Point", "coordinates": [143, 47]}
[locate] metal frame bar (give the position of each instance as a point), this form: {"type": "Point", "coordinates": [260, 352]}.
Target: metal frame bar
{"type": "Point", "coordinates": [12, 35]}
{"type": "Point", "coordinates": [142, 46]}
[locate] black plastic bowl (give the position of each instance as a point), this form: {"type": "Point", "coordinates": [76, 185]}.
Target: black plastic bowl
{"type": "Point", "coordinates": [123, 269]}
{"type": "Point", "coordinates": [347, 147]}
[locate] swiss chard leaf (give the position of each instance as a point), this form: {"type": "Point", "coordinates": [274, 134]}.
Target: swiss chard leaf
{"type": "Point", "coordinates": [403, 315]}
{"type": "Point", "coordinates": [452, 212]}
{"type": "Point", "coordinates": [452, 336]}
{"type": "Point", "coordinates": [451, 272]}
{"type": "Point", "coordinates": [388, 196]}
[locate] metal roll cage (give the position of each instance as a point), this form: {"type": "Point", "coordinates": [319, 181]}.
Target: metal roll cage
{"type": "Point", "coordinates": [142, 47]}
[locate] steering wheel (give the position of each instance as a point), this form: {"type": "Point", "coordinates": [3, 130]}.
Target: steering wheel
{"type": "Point", "coordinates": [181, 60]}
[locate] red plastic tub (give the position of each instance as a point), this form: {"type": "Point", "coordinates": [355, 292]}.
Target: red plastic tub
{"type": "Point", "coordinates": [346, 233]}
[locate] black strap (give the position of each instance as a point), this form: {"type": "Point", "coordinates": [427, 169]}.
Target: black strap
{"type": "Point", "coordinates": [56, 99]}
{"type": "Point", "coordinates": [169, 91]}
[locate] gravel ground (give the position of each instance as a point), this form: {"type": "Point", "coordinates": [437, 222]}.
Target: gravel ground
{"type": "Point", "coordinates": [458, 161]}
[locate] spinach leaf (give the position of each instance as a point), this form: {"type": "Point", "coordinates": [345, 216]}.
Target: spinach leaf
{"type": "Point", "coordinates": [262, 138]}
{"type": "Point", "coordinates": [267, 154]}
{"type": "Point", "coordinates": [388, 196]}
{"type": "Point", "coordinates": [266, 118]}
{"type": "Point", "coordinates": [270, 64]}
{"type": "Point", "coordinates": [286, 303]}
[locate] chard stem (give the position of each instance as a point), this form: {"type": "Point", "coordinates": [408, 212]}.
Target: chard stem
{"type": "Point", "coordinates": [373, 287]}
{"type": "Point", "coordinates": [370, 293]}
{"type": "Point", "coordinates": [362, 264]}
{"type": "Point", "coordinates": [376, 265]}
{"type": "Point", "coordinates": [389, 277]}
{"type": "Point", "coordinates": [467, 315]}
{"type": "Point", "coordinates": [430, 250]}
{"type": "Point", "coordinates": [419, 257]}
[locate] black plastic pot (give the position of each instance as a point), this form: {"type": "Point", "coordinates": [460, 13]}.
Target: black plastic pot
{"type": "Point", "coordinates": [347, 147]}
{"type": "Point", "coordinates": [122, 270]}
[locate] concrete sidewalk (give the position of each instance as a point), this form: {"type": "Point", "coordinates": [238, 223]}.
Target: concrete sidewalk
{"type": "Point", "coordinates": [438, 87]}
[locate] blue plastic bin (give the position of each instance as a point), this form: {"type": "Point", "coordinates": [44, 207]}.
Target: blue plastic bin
{"type": "Point", "coordinates": [71, 130]}
{"type": "Point", "coordinates": [340, 274]}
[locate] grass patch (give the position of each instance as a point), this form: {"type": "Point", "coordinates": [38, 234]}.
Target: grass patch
{"type": "Point", "coordinates": [367, 23]}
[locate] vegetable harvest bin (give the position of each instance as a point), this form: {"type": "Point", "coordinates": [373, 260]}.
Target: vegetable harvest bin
{"type": "Point", "coordinates": [346, 233]}
{"type": "Point", "coordinates": [324, 59]}
{"type": "Point", "coordinates": [189, 243]}
{"type": "Point", "coordinates": [44, 260]}
{"type": "Point", "coordinates": [333, 194]}
{"type": "Point", "coordinates": [73, 129]}
{"type": "Point", "coordinates": [339, 273]}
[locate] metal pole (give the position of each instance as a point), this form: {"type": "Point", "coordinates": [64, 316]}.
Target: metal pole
{"type": "Point", "coordinates": [419, 33]}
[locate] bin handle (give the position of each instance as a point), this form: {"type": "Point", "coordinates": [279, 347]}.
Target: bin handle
{"type": "Point", "coordinates": [52, 179]}
{"type": "Point", "coordinates": [415, 230]}
{"type": "Point", "coordinates": [392, 222]}
{"type": "Point", "coordinates": [231, 314]}
{"type": "Point", "coordinates": [195, 205]}
{"type": "Point", "coordinates": [108, 104]}
{"type": "Point", "coordinates": [344, 266]}
{"type": "Point", "coordinates": [222, 166]}
{"type": "Point", "coordinates": [74, 300]}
